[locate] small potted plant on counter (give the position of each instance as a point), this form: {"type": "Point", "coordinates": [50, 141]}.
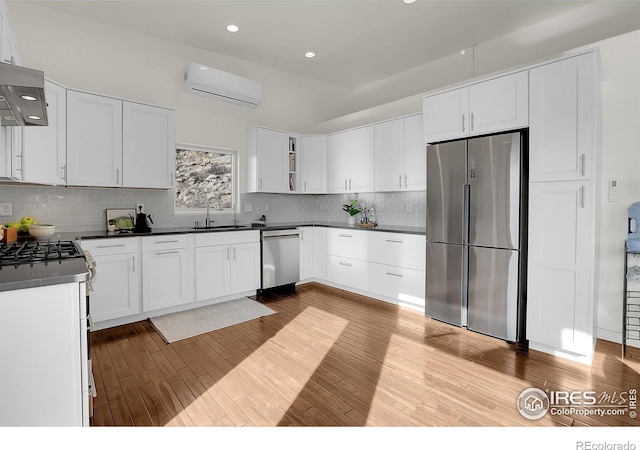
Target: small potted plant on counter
{"type": "Point", "coordinates": [352, 209]}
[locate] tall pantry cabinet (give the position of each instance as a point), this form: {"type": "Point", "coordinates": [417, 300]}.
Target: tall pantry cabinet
{"type": "Point", "coordinates": [563, 197]}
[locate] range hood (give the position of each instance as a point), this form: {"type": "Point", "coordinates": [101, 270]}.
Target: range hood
{"type": "Point", "coordinates": [22, 101]}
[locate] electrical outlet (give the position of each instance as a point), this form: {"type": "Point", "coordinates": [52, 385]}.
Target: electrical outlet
{"type": "Point", "coordinates": [6, 209]}
{"type": "Point", "coordinates": [248, 207]}
{"type": "Point", "coordinates": [138, 206]}
{"type": "Point", "coordinates": [409, 207]}
{"type": "Point", "coordinates": [266, 207]}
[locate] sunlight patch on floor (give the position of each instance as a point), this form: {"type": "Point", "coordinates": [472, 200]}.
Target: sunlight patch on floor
{"type": "Point", "coordinates": [281, 367]}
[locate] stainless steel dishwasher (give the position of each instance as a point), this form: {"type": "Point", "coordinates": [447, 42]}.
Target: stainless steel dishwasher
{"type": "Point", "coordinates": [280, 258]}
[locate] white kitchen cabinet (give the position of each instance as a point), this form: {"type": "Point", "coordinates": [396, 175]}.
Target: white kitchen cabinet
{"type": "Point", "coordinates": [498, 104]}
{"type": "Point", "coordinates": [561, 268]}
{"type": "Point", "coordinates": [94, 140]}
{"type": "Point", "coordinates": [398, 249]}
{"type": "Point", "coordinates": [267, 160]}
{"type": "Point", "coordinates": [350, 161]}
{"type": "Point", "coordinates": [320, 253]}
{"type": "Point", "coordinates": [406, 286]}
{"type": "Point", "coordinates": [8, 48]}
{"type": "Point", "coordinates": [313, 164]}
{"type": "Point", "coordinates": [116, 289]}
{"type": "Point", "coordinates": [563, 122]}
{"type": "Point", "coordinates": [227, 263]}
{"type": "Point", "coordinates": [44, 379]}
{"type": "Point", "coordinates": [11, 153]}
{"type": "Point", "coordinates": [45, 148]}
{"type": "Point", "coordinates": [400, 155]}
{"type": "Point", "coordinates": [348, 257]}
{"type": "Point", "coordinates": [307, 245]}
{"type": "Point", "coordinates": [165, 272]}
{"type": "Point", "coordinates": [148, 146]}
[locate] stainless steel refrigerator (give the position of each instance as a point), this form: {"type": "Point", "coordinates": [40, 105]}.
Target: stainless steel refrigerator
{"type": "Point", "coordinates": [476, 219]}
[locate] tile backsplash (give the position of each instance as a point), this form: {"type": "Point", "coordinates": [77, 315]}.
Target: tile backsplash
{"type": "Point", "coordinates": [83, 209]}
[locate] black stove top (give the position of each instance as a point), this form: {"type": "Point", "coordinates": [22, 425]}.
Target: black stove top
{"type": "Point", "coordinates": [31, 252]}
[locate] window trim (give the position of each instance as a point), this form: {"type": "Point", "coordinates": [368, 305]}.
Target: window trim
{"type": "Point", "coordinates": [235, 184]}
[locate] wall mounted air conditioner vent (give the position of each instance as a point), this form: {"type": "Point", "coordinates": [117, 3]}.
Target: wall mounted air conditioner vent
{"type": "Point", "coordinates": [209, 82]}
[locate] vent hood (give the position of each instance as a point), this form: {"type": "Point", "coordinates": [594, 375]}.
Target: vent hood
{"type": "Point", "coordinates": [22, 101]}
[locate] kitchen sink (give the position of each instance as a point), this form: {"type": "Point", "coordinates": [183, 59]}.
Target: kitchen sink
{"type": "Point", "coordinates": [222, 227]}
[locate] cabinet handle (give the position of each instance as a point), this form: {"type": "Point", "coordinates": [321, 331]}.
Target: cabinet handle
{"type": "Point", "coordinates": [582, 196]}
{"type": "Point", "coordinates": [394, 274]}
{"type": "Point", "coordinates": [305, 186]}
{"type": "Point", "coordinates": [63, 172]}
{"type": "Point", "coordinates": [133, 265]}
{"type": "Point", "coordinates": [234, 253]}
{"type": "Point", "coordinates": [399, 181]}
{"type": "Point", "coordinates": [20, 169]}
{"type": "Point", "coordinates": [395, 241]}
{"type": "Point", "coordinates": [171, 175]}
{"type": "Point", "coordinates": [582, 164]}
{"type": "Point", "coordinates": [166, 242]}
{"type": "Point", "coordinates": [227, 253]}
{"type": "Point", "coordinates": [405, 180]}
{"type": "Point", "coordinates": [110, 246]}
{"type": "Point", "coordinates": [344, 235]}
{"type": "Point", "coordinates": [463, 122]}
{"type": "Point", "coordinates": [349, 183]}
{"type": "Point", "coordinates": [345, 184]}
{"type": "Point", "coordinates": [345, 264]}
{"type": "Point", "coordinates": [167, 253]}
{"type": "Point", "coordinates": [117, 176]}
{"type": "Point", "coordinates": [472, 117]}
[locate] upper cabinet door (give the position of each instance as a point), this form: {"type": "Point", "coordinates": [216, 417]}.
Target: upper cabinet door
{"type": "Point", "coordinates": [338, 161]}
{"type": "Point", "coordinates": [94, 140]}
{"type": "Point", "coordinates": [389, 155]}
{"type": "Point", "coordinates": [313, 164]}
{"type": "Point", "coordinates": [415, 155]}
{"type": "Point", "coordinates": [562, 128]}
{"type": "Point", "coordinates": [446, 115]}
{"type": "Point", "coordinates": [45, 148]}
{"type": "Point", "coordinates": [360, 169]}
{"type": "Point", "coordinates": [267, 160]}
{"type": "Point", "coordinates": [148, 146]}
{"type": "Point", "coordinates": [499, 104]}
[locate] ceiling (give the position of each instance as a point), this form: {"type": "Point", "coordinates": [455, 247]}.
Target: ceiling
{"type": "Point", "coordinates": [356, 42]}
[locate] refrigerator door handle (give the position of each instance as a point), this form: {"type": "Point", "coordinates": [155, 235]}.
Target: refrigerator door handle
{"type": "Point", "coordinates": [465, 213]}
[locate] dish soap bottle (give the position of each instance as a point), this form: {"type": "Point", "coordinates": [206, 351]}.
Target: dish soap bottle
{"type": "Point", "coordinates": [372, 216]}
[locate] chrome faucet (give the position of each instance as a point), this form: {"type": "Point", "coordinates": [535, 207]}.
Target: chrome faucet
{"type": "Point", "coordinates": [208, 221]}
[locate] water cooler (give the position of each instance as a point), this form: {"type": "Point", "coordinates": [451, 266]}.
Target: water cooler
{"type": "Point", "coordinates": [633, 238]}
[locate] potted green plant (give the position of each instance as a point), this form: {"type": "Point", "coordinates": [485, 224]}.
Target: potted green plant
{"type": "Point", "coordinates": [352, 209]}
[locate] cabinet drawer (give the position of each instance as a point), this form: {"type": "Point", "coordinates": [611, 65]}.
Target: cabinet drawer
{"type": "Point", "coordinates": [348, 243]}
{"type": "Point", "coordinates": [170, 241]}
{"type": "Point", "coordinates": [227, 238]}
{"type": "Point", "coordinates": [399, 283]}
{"type": "Point", "coordinates": [112, 246]}
{"type": "Point", "coordinates": [348, 272]}
{"type": "Point", "coordinates": [400, 250]}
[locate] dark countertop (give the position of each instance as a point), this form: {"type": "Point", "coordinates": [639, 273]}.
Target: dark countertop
{"type": "Point", "coordinates": [41, 274]}
{"type": "Point", "coordinates": [273, 226]}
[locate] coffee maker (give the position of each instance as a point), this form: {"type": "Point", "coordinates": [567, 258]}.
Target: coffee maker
{"type": "Point", "coordinates": [142, 222]}
{"type": "Point", "coordinates": [633, 236]}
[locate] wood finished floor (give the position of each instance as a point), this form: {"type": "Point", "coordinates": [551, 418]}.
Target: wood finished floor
{"type": "Point", "coordinates": [333, 358]}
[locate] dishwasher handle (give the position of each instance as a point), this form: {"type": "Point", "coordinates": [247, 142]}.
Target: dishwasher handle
{"type": "Point", "coordinates": [280, 234]}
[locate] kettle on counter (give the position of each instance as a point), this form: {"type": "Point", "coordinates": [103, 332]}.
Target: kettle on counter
{"type": "Point", "coordinates": [142, 222]}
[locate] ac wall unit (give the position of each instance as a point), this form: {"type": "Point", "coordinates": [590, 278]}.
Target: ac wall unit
{"type": "Point", "coordinates": [209, 82]}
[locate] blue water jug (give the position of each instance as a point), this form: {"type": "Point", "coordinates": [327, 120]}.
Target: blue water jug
{"type": "Point", "coordinates": [633, 236]}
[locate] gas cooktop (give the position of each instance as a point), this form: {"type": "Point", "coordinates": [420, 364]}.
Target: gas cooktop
{"type": "Point", "coordinates": [32, 252]}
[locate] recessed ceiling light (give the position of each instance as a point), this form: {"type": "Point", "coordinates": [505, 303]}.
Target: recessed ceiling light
{"type": "Point", "coordinates": [309, 54]}
{"type": "Point", "coordinates": [232, 28]}
{"type": "Point", "coordinates": [462, 52]}
{"type": "Point", "coordinates": [408, 1]}
{"type": "Point", "coordinates": [34, 117]}
{"type": "Point", "coordinates": [28, 97]}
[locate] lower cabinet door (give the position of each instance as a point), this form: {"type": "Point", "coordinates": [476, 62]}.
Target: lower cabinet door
{"type": "Point", "coordinates": [348, 272]}
{"type": "Point", "coordinates": [245, 267]}
{"type": "Point", "coordinates": [213, 272]}
{"type": "Point", "coordinates": [116, 291]}
{"type": "Point", "coordinates": [405, 285]}
{"type": "Point", "coordinates": [306, 252]}
{"type": "Point", "coordinates": [165, 279]}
